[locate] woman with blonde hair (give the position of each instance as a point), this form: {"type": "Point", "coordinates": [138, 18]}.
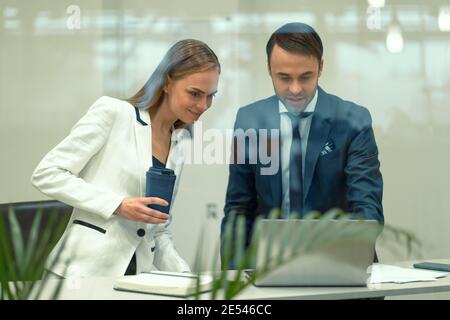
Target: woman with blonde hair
{"type": "Point", "coordinates": [100, 167]}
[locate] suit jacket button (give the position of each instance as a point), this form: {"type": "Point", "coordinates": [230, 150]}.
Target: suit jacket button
{"type": "Point", "coordinates": [141, 232]}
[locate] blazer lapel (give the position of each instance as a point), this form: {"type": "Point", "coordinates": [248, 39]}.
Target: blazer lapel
{"type": "Point", "coordinates": [144, 143]}
{"type": "Point", "coordinates": [176, 152]}
{"type": "Point", "coordinates": [272, 118]}
{"type": "Point", "coordinates": [143, 134]}
{"type": "Point", "coordinates": [318, 135]}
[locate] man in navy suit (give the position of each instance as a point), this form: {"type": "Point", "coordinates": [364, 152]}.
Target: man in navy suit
{"type": "Point", "coordinates": [328, 157]}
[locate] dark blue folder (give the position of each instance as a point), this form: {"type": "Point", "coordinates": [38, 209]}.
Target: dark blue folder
{"type": "Point", "coordinates": [160, 183]}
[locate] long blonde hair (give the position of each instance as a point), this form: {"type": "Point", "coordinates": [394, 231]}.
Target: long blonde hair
{"type": "Point", "coordinates": [184, 58]}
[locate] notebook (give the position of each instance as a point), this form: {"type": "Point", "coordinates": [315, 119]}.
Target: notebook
{"type": "Point", "coordinates": [164, 283]}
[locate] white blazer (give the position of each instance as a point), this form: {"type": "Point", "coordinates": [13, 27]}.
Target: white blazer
{"type": "Point", "coordinates": [102, 161]}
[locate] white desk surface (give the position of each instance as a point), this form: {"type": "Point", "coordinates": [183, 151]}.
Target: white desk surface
{"type": "Point", "coordinates": [102, 289]}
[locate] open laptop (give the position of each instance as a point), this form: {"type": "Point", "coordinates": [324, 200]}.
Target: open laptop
{"type": "Point", "coordinates": [330, 253]}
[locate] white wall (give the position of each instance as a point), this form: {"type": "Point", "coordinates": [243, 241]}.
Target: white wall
{"type": "Point", "coordinates": [49, 75]}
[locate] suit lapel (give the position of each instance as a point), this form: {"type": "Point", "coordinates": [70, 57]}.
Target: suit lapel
{"type": "Point", "coordinates": [318, 135]}
{"type": "Point", "coordinates": [143, 134]}
{"type": "Point", "coordinates": [176, 152]}
{"type": "Point", "coordinates": [272, 119]}
{"type": "Point", "coordinates": [144, 144]}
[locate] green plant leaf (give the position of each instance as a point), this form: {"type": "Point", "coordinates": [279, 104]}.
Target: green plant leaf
{"type": "Point", "coordinates": [17, 239]}
{"type": "Point", "coordinates": [49, 238]}
{"type": "Point", "coordinates": [32, 240]}
{"type": "Point", "coordinates": [5, 262]}
{"type": "Point", "coordinates": [22, 264]}
{"type": "Point", "coordinates": [9, 263]}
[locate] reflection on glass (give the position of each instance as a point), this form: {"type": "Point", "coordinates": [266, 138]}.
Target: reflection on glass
{"type": "Point", "coordinates": [394, 39]}
{"type": "Point", "coordinates": [376, 3]}
{"type": "Point", "coordinates": [444, 19]}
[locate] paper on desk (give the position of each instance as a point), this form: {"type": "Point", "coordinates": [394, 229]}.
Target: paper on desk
{"type": "Point", "coordinates": [381, 273]}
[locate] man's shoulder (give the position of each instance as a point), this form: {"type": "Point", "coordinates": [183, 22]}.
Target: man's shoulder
{"type": "Point", "coordinates": [255, 107]}
{"type": "Point", "coordinates": [350, 111]}
{"type": "Point", "coordinates": [347, 106]}
{"type": "Point", "coordinates": [255, 114]}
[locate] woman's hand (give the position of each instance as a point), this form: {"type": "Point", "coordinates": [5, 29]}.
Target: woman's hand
{"type": "Point", "coordinates": [136, 209]}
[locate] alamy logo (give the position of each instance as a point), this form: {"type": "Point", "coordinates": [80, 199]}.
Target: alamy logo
{"type": "Point", "coordinates": [373, 18]}
{"type": "Point", "coordinates": [74, 20]}
{"type": "Point", "coordinates": [214, 146]}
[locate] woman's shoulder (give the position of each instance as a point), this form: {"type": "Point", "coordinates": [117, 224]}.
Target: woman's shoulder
{"type": "Point", "coordinates": [113, 101]}
{"type": "Point", "coordinates": [118, 106]}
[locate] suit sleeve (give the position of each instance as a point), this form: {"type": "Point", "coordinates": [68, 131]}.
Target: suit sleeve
{"type": "Point", "coordinates": [364, 180]}
{"type": "Point", "coordinates": [241, 191]}
{"type": "Point", "coordinates": [57, 175]}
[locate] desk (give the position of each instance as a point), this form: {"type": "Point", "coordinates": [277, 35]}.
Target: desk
{"type": "Point", "coordinates": [102, 288]}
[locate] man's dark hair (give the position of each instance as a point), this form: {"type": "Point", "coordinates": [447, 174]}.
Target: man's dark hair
{"type": "Point", "coordinates": [298, 38]}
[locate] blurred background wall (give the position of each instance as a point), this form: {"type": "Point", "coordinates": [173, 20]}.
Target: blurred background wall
{"type": "Point", "coordinates": [392, 56]}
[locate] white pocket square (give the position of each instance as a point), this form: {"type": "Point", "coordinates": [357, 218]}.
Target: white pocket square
{"type": "Point", "coordinates": [328, 148]}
